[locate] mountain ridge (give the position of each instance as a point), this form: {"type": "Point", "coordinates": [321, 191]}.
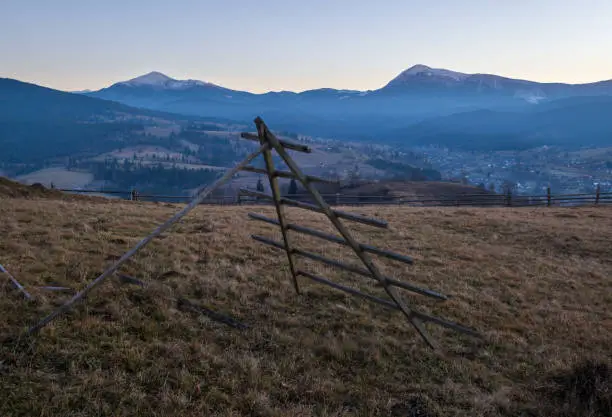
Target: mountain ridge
{"type": "Point", "coordinates": [419, 71]}
{"type": "Point", "coordinates": [417, 94]}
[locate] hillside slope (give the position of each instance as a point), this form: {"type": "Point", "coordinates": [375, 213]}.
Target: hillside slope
{"type": "Point", "coordinates": [572, 122]}
{"type": "Point", "coordinates": [38, 123]}
{"type": "Point", "coordinates": [13, 189]}
{"type": "Point", "coordinates": [535, 282]}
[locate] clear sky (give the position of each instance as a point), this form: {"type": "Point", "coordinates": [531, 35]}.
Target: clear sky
{"type": "Point", "coordinates": [263, 45]}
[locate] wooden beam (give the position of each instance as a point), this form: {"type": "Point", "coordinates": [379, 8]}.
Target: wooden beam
{"type": "Point", "coordinates": [285, 143]}
{"type": "Point", "coordinates": [56, 289]}
{"type": "Point", "coordinates": [16, 283]}
{"type": "Point", "coordinates": [276, 196]}
{"type": "Point", "coordinates": [354, 269]}
{"type": "Point", "coordinates": [199, 196]}
{"type": "Point", "coordinates": [333, 238]}
{"type": "Point", "coordinates": [349, 290]}
{"type": "Point", "coordinates": [342, 214]}
{"type": "Point", "coordinates": [287, 174]}
{"type": "Point", "coordinates": [391, 305]}
{"type": "Point", "coordinates": [418, 325]}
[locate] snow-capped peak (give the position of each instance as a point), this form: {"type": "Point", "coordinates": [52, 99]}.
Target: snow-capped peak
{"type": "Point", "coordinates": [158, 80]}
{"type": "Point", "coordinates": [152, 78]}
{"type": "Point", "coordinates": [425, 71]}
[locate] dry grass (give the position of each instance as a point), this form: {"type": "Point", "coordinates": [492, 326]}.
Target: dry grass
{"type": "Point", "coordinates": [535, 282]}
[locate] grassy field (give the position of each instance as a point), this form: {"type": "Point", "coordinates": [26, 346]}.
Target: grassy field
{"type": "Point", "coordinates": [535, 282]}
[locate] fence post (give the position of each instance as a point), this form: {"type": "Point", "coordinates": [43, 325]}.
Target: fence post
{"type": "Point", "coordinates": [597, 194]}
{"type": "Point", "coordinates": [548, 197]}
{"type": "Point", "coordinates": [509, 198]}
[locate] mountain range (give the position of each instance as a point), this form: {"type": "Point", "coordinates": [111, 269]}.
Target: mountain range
{"type": "Point", "coordinates": [420, 105]}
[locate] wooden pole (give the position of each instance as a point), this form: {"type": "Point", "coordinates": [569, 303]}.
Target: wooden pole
{"type": "Point", "coordinates": [199, 196]}
{"type": "Point", "coordinates": [417, 323]}
{"type": "Point", "coordinates": [16, 283]}
{"type": "Point", "coordinates": [548, 197]}
{"type": "Point", "coordinates": [597, 194]}
{"type": "Point", "coordinates": [276, 195]}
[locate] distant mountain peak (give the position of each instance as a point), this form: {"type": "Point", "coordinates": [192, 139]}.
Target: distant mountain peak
{"type": "Point", "coordinates": [421, 71]}
{"type": "Point", "coordinates": [415, 69]}
{"type": "Point", "coordinates": [157, 79]}
{"type": "Point", "coordinates": [152, 78]}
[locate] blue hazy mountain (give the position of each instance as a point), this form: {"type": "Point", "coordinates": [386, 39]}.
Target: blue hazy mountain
{"type": "Point", "coordinates": [570, 122]}
{"type": "Point", "coordinates": [418, 94]}
{"type": "Point", "coordinates": [38, 123]}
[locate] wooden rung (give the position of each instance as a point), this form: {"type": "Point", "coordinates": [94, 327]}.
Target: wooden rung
{"type": "Point", "coordinates": [350, 268]}
{"type": "Point", "coordinates": [55, 288]}
{"type": "Point", "coordinates": [334, 239]}
{"type": "Point", "coordinates": [342, 214]}
{"type": "Point", "coordinates": [389, 304]}
{"type": "Point", "coordinates": [349, 290]}
{"type": "Point", "coordinates": [285, 143]}
{"type": "Point", "coordinates": [445, 323]}
{"type": "Point", "coordinates": [287, 174]}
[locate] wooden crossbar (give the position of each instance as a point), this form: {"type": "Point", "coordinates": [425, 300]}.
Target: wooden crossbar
{"type": "Point", "coordinates": [351, 268]}
{"type": "Point", "coordinates": [342, 214]}
{"type": "Point", "coordinates": [287, 174]}
{"type": "Point", "coordinates": [333, 238]}
{"type": "Point", "coordinates": [348, 290]}
{"type": "Point", "coordinates": [389, 304]}
{"type": "Point", "coordinates": [284, 143]}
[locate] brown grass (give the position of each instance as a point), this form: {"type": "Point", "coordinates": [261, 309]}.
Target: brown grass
{"type": "Point", "coordinates": [535, 282]}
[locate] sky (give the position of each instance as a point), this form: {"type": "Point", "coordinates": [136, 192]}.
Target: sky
{"type": "Point", "coordinates": [274, 45]}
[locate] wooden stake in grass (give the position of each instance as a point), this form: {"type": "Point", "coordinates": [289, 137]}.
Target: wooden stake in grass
{"type": "Point", "coordinates": [276, 195]}
{"type": "Point", "coordinates": [200, 195]}
{"type": "Point", "coordinates": [16, 283]}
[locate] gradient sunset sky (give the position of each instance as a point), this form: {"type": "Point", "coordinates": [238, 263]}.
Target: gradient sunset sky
{"type": "Point", "coordinates": [296, 45]}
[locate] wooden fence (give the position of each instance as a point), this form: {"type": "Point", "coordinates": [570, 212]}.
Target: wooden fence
{"type": "Point", "coordinates": [476, 200]}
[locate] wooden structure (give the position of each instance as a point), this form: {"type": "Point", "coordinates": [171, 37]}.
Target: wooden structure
{"type": "Point", "coordinates": [268, 143]}
{"type": "Point", "coordinates": [267, 139]}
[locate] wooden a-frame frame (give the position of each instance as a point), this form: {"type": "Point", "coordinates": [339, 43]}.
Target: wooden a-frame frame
{"type": "Point", "coordinates": [416, 319]}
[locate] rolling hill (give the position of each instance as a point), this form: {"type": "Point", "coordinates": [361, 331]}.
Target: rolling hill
{"type": "Point", "coordinates": [38, 123]}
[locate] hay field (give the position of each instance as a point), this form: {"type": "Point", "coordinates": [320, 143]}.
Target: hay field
{"type": "Point", "coordinates": [535, 282]}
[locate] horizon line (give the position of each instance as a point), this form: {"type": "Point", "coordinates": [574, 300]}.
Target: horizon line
{"type": "Point", "coordinates": [309, 89]}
